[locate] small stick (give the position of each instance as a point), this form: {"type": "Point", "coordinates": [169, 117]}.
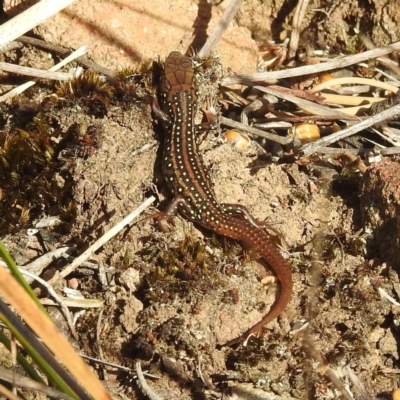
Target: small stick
{"type": "Point", "coordinates": [219, 30]}
{"type": "Point", "coordinates": [104, 239]}
{"type": "Point", "coordinates": [8, 394]}
{"type": "Point", "coordinates": [298, 17]}
{"type": "Point", "coordinates": [384, 295]}
{"type": "Point", "coordinates": [10, 46]}
{"type": "Point", "coordinates": [63, 51]}
{"type": "Point", "coordinates": [309, 106]}
{"type": "Point", "coordinates": [147, 390]}
{"type": "Point", "coordinates": [18, 90]}
{"type": "Point", "coordinates": [354, 80]}
{"type": "Point", "coordinates": [76, 303]}
{"type": "Point", "coordinates": [144, 148]}
{"type": "Point", "coordinates": [37, 73]}
{"type": "Point", "coordinates": [311, 148]}
{"type": "Point", "coordinates": [25, 382]}
{"type": "Point", "coordinates": [339, 62]}
{"type": "Point", "coordinates": [51, 291]}
{"type": "Point", "coordinates": [98, 341]}
{"type": "Point", "coordinates": [389, 151]}
{"type": "Point", "coordinates": [30, 18]}
{"type": "Point", "coordinates": [255, 132]}
{"type": "Point", "coordinates": [39, 264]}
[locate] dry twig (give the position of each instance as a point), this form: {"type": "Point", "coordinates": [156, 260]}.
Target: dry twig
{"type": "Point", "coordinates": [37, 73]}
{"type": "Point", "coordinates": [64, 51]}
{"type": "Point", "coordinates": [25, 86]}
{"type": "Point", "coordinates": [339, 62]}
{"type": "Point", "coordinates": [313, 147]}
{"type": "Point", "coordinates": [219, 30]}
{"type": "Point", "coordinates": [298, 17]}
{"type": "Point", "coordinates": [255, 132]}
{"type": "Point", "coordinates": [147, 390]}
{"type": "Point", "coordinates": [22, 381]}
{"type": "Point", "coordinates": [30, 18]}
{"type": "Point", "coordinates": [104, 239]}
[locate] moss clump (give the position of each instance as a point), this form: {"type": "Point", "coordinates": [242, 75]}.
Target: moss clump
{"type": "Point", "coordinates": [30, 182]}
{"type": "Point", "coordinates": [188, 268]}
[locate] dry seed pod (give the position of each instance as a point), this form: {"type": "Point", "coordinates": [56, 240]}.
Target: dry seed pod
{"type": "Point", "coordinates": [325, 77]}
{"type": "Point", "coordinates": [396, 394]}
{"type": "Point", "coordinates": [240, 140]}
{"type": "Point", "coordinates": [306, 132]}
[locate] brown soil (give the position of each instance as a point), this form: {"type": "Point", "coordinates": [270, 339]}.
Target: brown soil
{"type": "Point", "coordinates": [171, 297]}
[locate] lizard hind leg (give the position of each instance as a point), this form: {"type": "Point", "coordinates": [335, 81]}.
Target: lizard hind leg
{"type": "Point", "coordinates": [167, 215]}
{"type": "Point", "coordinates": [160, 216]}
{"type": "Point", "coordinates": [241, 212]}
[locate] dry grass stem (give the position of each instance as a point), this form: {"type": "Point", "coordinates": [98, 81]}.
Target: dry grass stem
{"type": "Point", "coordinates": [64, 51]}
{"type": "Point", "coordinates": [10, 46]}
{"type": "Point", "coordinates": [104, 239]}
{"type": "Point", "coordinates": [57, 298]}
{"type": "Point", "coordinates": [221, 27]}
{"type": "Point", "coordinates": [255, 132]}
{"type": "Point", "coordinates": [339, 62]}
{"type": "Point", "coordinates": [147, 390]}
{"type": "Point", "coordinates": [18, 90]}
{"type": "Point", "coordinates": [39, 264]}
{"type": "Point", "coordinates": [25, 382]}
{"type": "Point", "coordinates": [298, 17]}
{"type": "Point", "coordinates": [75, 303]}
{"type": "Point", "coordinates": [45, 329]}
{"type": "Point", "coordinates": [313, 147]}
{"type": "Point", "coordinates": [37, 73]}
{"type": "Point", "coordinates": [386, 296]}
{"type": "Point", "coordinates": [98, 342]}
{"type": "Point", "coordinates": [30, 18]}
{"type": "Point", "coordinates": [306, 105]}
{"type": "Point", "coordinates": [354, 80]}
{"type": "Point", "coordinates": [350, 100]}
{"type": "Point", "coordinates": [106, 363]}
{"type": "Point", "coordinates": [7, 393]}
{"type": "Point", "coordinates": [391, 64]}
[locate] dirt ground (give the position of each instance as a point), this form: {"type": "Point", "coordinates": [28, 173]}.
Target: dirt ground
{"type": "Point", "coordinates": [171, 297]}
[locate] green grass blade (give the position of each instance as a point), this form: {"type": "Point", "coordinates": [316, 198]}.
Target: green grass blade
{"type": "Point", "coordinates": [18, 276]}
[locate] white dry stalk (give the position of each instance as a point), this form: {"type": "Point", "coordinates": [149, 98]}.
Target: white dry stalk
{"type": "Point", "coordinates": [309, 106]}
{"type": "Point", "coordinates": [221, 27]}
{"type": "Point", "coordinates": [313, 147]}
{"type": "Point", "coordinates": [22, 381]}
{"type": "Point", "coordinates": [254, 131]}
{"type": "Point", "coordinates": [104, 239]}
{"type": "Point", "coordinates": [150, 393]}
{"type": "Point", "coordinates": [30, 18]}
{"type": "Point", "coordinates": [39, 264]}
{"type": "Point", "coordinates": [18, 90]}
{"type": "Point", "coordinates": [37, 73]}
{"type": "Point", "coordinates": [339, 62]}
{"type": "Point", "coordinates": [75, 303]}
{"type": "Point", "coordinates": [354, 80]}
{"type": "Point", "coordinates": [56, 297]}
{"type": "Point", "coordinates": [386, 296]}
{"type": "Point", "coordinates": [299, 14]}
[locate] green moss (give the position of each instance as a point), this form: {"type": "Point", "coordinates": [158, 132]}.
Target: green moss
{"type": "Point", "coordinates": [188, 268]}
{"type": "Point", "coordinates": [28, 172]}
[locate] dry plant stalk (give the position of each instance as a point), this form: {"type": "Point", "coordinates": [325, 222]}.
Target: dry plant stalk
{"type": "Point", "coordinates": [45, 329]}
{"type": "Point", "coordinates": [221, 27]}
{"type": "Point", "coordinates": [30, 18]}
{"type": "Point", "coordinates": [104, 239]}
{"type": "Point", "coordinates": [339, 62]}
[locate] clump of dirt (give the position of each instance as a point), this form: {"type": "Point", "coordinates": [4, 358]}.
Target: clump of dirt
{"type": "Point", "coordinates": [327, 24]}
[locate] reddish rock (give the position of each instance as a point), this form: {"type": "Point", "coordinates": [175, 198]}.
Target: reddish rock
{"type": "Point", "coordinates": [123, 32]}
